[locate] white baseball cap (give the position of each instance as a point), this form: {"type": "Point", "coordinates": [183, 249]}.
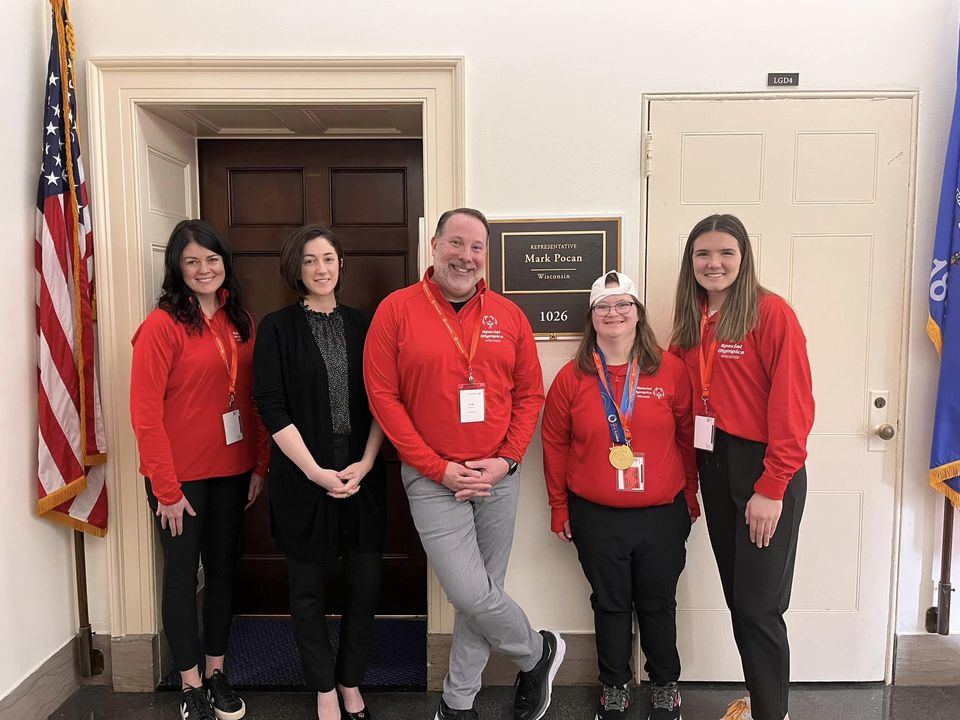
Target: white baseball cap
{"type": "Point", "coordinates": [625, 286]}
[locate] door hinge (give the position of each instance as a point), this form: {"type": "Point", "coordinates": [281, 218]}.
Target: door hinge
{"type": "Point", "coordinates": [647, 160]}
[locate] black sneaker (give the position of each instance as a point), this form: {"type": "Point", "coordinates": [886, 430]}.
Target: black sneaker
{"type": "Point", "coordinates": [533, 688]}
{"type": "Point", "coordinates": [195, 705]}
{"type": "Point", "coordinates": [226, 703]}
{"type": "Point", "coordinates": [445, 712]}
{"type": "Point", "coordinates": [665, 702]}
{"type": "Point", "coordinates": [614, 702]}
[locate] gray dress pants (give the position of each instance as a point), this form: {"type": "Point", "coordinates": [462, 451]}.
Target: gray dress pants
{"type": "Point", "coordinates": [468, 544]}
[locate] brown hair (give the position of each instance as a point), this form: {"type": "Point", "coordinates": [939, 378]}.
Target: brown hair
{"type": "Point", "coordinates": [291, 256]}
{"type": "Point", "coordinates": [739, 312]}
{"type": "Point", "coordinates": [645, 347]}
{"type": "Point", "coordinates": [476, 214]}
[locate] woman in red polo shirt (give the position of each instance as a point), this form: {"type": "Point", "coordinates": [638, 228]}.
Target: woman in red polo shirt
{"type": "Point", "coordinates": [747, 358]}
{"type": "Point", "coordinates": [203, 451]}
{"type": "Point", "coordinates": [622, 483]}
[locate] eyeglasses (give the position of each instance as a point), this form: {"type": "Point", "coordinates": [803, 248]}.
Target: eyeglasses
{"type": "Point", "coordinates": [622, 308]}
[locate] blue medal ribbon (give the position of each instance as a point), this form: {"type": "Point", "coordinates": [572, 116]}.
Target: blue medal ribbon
{"type": "Point", "coordinates": [617, 416]}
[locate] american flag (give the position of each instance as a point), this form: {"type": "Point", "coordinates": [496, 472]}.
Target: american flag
{"type": "Point", "coordinates": [71, 454]}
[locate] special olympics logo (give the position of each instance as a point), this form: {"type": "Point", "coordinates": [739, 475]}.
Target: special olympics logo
{"type": "Point", "coordinates": [658, 393]}
{"type": "Point", "coordinates": [489, 322]}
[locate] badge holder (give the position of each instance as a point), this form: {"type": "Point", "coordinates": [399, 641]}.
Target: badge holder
{"type": "Point", "coordinates": [232, 429]}
{"type": "Point", "coordinates": [631, 479]}
{"type": "Point", "coordinates": [472, 408]}
{"type": "Point", "coordinates": [704, 430]}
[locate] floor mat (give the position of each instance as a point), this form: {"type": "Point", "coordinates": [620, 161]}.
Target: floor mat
{"type": "Point", "coordinates": [263, 654]}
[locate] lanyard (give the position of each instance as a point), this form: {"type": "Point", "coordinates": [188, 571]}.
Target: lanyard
{"type": "Point", "coordinates": [617, 416]}
{"type": "Point", "coordinates": [706, 365]}
{"type": "Point", "coordinates": [453, 333]}
{"type": "Point", "coordinates": [231, 366]}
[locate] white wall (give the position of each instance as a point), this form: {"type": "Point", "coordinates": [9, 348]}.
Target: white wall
{"type": "Point", "coordinates": [37, 605]}
{"type": "Point", "coordinates": [553, 110]}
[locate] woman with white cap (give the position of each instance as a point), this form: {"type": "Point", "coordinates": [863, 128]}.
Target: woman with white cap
{"type": "Point", "coordinates": [622, 481]}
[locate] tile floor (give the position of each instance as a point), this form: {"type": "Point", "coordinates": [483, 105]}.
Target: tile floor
{"type": "Point", "coordinates": [701, 701]}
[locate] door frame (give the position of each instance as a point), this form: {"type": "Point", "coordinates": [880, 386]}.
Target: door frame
{"type": "Point", "coordinates": [647, 164]}
{"type": "Point", "coordinates": [117, 87]}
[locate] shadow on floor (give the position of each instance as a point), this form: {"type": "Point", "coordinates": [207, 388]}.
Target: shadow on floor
{"type": "Point", "coordinates": [701, 701]}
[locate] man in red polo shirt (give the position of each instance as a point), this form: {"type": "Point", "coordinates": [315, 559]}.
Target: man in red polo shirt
{"type": "Point", "coordinates": [454, 380]}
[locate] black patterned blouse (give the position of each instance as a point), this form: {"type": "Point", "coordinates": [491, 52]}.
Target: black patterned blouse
{"type": "Point", "coordinates": [328, 332]}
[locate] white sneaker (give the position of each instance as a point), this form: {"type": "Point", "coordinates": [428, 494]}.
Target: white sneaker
{"type": "Point", "coordinates": [738, 710]}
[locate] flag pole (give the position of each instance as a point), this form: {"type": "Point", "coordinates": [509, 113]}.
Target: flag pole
{"type": "Point", "coordinates": [944, 589]}
{"type": "Point", "coordinates": [91, 659]}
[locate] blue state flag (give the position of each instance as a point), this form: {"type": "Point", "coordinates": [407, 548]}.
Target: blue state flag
{"type": "Point", "coordinates": [943, 324]}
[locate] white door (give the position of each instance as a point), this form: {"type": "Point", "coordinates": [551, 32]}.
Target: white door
{"type": "Point", "coordinates": [823, 187]}
{"type": "Point", "coordinates": [168, 192]}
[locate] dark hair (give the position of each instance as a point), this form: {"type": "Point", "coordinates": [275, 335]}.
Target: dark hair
{"type": "Point", "coordinates": [178, 300]}
{"type": "Point", "coordinates": [291, 256]}
{"type": "Point", "coordinates": [740, 306]}
{"type": "Point", "coordinates": [476, 214]}
{"type": "Point", "coordinates": [645, 347]}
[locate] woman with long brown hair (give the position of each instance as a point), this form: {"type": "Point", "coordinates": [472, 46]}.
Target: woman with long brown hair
{"type": "Point", "coordinates": [622, 483]}
{"type": "Point", "coordinates": [203, 452]}
{"type": "Point", "coordinates": [747, 358]}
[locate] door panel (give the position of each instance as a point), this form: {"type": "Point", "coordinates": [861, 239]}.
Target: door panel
{"type": "Point", "coordinates": [823, 186]}
{"type": "Point", "coordinates": [370, 192]}
{"type": "Point", "coordinates": [168, 193]}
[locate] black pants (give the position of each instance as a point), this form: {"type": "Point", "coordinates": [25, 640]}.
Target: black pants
{"type": "Point", "coordinates": [213, 536]}
{"type": "Point", "coordinates": [361, 573]}
{"type": "Point", "coordinates": [632, 558]}
{"type": "Point", "coordinates": [756, 581]}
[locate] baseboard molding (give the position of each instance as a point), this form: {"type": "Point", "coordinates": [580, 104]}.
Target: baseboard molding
{"type": "Point", "coordinates": [927, 660]}
{"type": "Point", "coordinates": [46, 688]}
{"type": "Point", "coordinates": [579, 665]}
{"type": "Point", "coordinates": [136, 663]}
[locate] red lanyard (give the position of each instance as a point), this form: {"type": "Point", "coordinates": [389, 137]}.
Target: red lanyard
{"type": "Point", "coordinates": [453, 333]}
{"type": "Point", "coordinates": [706, 365]}
{"type": "Point", "coordinates": [231, 366]}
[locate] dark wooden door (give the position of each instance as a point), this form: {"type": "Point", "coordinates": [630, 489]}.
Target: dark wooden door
{"type": "Point", "coordinates": [370, 192]}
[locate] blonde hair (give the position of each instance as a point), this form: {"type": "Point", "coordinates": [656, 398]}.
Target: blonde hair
{"type": "Point", "coordinates": [740, 309]}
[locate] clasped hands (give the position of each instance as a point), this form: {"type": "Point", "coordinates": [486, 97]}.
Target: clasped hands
{"type": "Point", "coordinates": [474, 478]}
{"type": "Point", "coordinates": [343, 483]}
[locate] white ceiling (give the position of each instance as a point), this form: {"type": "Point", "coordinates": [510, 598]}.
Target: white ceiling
{"type": "Point", "coordinates": [295, 121]}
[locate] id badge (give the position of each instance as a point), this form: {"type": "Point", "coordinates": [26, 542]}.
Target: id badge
{"type": "Point", "coordinates": [232, 431]}
{"type": "Point", "coordinates": [471, 403]}
{"type": "Point", "coordinates": [704, 428]}
{"type": "Point", "coordinates": [631, 479]}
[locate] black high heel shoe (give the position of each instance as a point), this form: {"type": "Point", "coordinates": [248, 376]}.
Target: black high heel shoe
{"type": "Point", "coordinates": [360, 715]}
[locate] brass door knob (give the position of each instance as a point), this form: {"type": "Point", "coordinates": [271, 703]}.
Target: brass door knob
{"type": "Point", "coordinates": [886, 432]}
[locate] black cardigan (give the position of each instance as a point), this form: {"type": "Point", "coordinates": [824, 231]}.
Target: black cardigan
{"type": "Point", "coordinates": [290, 386]}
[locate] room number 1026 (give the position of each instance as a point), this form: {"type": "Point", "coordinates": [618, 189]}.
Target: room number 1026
{"type": "Point", "coordinates": [553, 315]}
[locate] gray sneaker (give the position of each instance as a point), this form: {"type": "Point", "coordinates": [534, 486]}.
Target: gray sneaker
{"type": "Point", "coordinates": [614, 702]}
{"type": "Point", "coordinates": [665, 701]}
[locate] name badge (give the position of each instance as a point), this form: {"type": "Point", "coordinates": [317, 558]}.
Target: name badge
{"type": "Point", "coordinates": [471, 403]}
{"type": "Point", "coordinates": [232, 430]}
{"type": "Point", "coordinates": [704, 428]}
{"type": "Point", "coordinates": [631, 479]}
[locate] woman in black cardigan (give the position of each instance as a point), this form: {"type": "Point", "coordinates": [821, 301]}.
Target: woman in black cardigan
{"type": "Point", "coordinates": [327, 491]}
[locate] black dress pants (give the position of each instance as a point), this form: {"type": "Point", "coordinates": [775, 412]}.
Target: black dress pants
{"type": "Point", "coordinates": [756, 581]}
{"type": "Point", "coordinates": [361, 574]}
{"type": "Point", "coordinates": [213, 536]}
{"type": "Point", "coordinates": [632, 558]}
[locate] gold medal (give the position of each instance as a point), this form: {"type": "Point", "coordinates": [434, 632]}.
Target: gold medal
{"type": "Point", "coordinates": [621, 456]}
